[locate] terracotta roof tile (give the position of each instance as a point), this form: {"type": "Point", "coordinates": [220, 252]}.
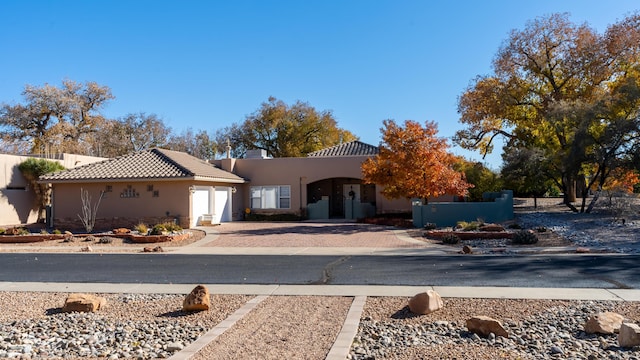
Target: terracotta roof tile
{"type": "Point", "coordinates": [351, 148]}
{"type": "Point", "coordinates": [147, 164]}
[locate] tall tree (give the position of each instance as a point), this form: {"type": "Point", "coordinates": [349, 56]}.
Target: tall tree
{"type": "Point", "coordinates": [553, 89]}
{"type": "Point", "coordinates": [414, 163]}
{"type": "Point", "coordinates": [199, 144]}
{"type": "Point", "coordinates": [284, 131]}
{"type": "Point", "coordinates": [133, 132]}
{"type": "Point", "coordinates": [55, 119]}
{"type": "Point", "coordinates": [482, 178]}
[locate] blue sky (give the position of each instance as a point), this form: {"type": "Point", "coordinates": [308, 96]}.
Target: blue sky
{"type": "Point", "coordinates": [207, 64]}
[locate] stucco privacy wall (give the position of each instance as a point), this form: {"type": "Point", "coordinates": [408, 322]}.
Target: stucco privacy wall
{"type": "Point", "coordinates": [17, 201]}
{"type": "Point", "coordinates": [444, 214]}
{"type": "Point", "coordinates": [298, 173]}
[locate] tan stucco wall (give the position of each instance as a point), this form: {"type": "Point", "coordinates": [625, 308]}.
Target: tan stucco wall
{"type": "Point", "coordinates": [118, 210]}
{"type": "Point", "coordinates": [298, 172]}
{"type": "Point", "coordinates": [18, 206]}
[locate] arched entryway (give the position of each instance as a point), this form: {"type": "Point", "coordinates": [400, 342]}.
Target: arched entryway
{"type": "Point", "coordinates": [343, 198]}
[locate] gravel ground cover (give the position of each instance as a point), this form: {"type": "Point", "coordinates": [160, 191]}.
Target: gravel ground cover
{"type": "Point", "coordinates": [131, 326]}
{"type": "Point", "coordinates": [283, 327]}
{"type": "Point", "coordinates": [538, 329]}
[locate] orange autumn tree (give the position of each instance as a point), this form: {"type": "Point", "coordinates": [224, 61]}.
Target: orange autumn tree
{"type": "Point", "coordinates": [414, 163]}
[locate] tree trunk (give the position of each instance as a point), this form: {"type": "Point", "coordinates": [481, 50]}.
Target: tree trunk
{"type": "Point", "coordinates": [535, 202]}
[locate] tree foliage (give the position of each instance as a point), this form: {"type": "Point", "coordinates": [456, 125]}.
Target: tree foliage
{"type": "Point", "coordinates": [564, 89]}
{"type": "Point", "coordinates": [54, 119]}
{"type": "Point", "coordinates": [283, 131]}
{"type": "Point", "coordinates": [32, 169]}
{"type": "Point", "coordinates": [481, 177]}
{"type": "Point", "coordinates": [199, 144]}
{"type": "Point", "coordinates": [413, 163]}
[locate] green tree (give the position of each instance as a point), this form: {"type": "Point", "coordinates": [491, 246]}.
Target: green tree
{"type": "Point", "coordinates": [564, 89]}
{"type": "Point", "coordinates": [414, 163]}
{"type": "Point", "coordinates": [523, 170]}
{"type": "Point", "coordinates": [32, 169]}
{"type": "Point", "coordinates": [283, 131]}
{"type": "Point", "coordinates": [199, 144]}
{"type": "Point", "coordinates": [482, 178]}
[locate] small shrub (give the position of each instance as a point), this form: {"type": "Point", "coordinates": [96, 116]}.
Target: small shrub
{"type": "Point", "coordinates": [450, 239]}
{"type": "Point", "coordinates": [141, 228]}
{"type": "Point", "coordinates": [524, 238]}
{"type": "Point", "coordinates": [44, 232]}
{"type": "Point", "coordinates": [57, 232]}
{"type": "Point", "coordinates": [429, 226]}
{"type": "Point", "coordinates": [171, 226]}
{"type": "Point", "coordinates": [2, 230]}
{"type": "Point", "coordinates": [469, 226]}
{"type": "Point", "coordinates": [105, 240]}
{"type": "Point", "coordinates": [158, 229]}
{"type": "Point", "coordinates": [515, 226]}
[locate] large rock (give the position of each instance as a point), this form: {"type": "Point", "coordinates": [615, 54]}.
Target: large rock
{"type": "Point", "coordinates": [603, 323]}
{"type": "Point", "coordinates": [83, 303]}
{"type": "Point", "coordinates": [425, 303]}
{"type": "Point", "coordinates": [197, 300]}
{"type": "Point", "coordinates": [629, 335]}
{"type": "Point", "coordinates": [484, 325]}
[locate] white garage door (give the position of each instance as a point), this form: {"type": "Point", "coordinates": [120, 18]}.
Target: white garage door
{"type": "Point", "coordinates": [222, 204]}
{"type": "Point", "coordinates": [201, 205]}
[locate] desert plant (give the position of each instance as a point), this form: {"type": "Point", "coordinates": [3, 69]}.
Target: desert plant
{"type": "Point", "coordinates": [105, 240]}
{"type": "Point", "coordinates": [469, 226]}
{"type": "Point", "coordinates": [429, 226]}
{"type": "Point", "coordinates": [32, 169]}
{"type": "Point", "coordinates": [89, 211]}
{"type": "Point", "coordinates": [450, 239]}
{"type": "Point", "coordinates": [171, 226]}
{"type": "Point", "coordinates": [44, 232]}
{"type": "Point", "coordinates": [141, 228]}
{"type": "Point", "coordinates": [524, 237]}
{"type": "Point", "coordinates": [2, 230]}
{"type": "Point", "coordinates": [57, 232]}
{"type": "Point", "coordinates": [158, 229]}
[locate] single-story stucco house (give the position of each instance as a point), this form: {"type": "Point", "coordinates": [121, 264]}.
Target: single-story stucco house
{"type": "Point", "coordinates": [159, 185]}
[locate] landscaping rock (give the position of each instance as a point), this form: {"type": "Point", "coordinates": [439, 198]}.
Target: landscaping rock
{"type": "Point", "coordinates": [629, 335]}
{"type": "Point", "coordinates": [583, 250]}
{"type": "Point", "coordinates": [467, 249]}
{"type": "Point", "coordinates": [603, 323]}
{"type": "Point", "coordinates": [484, 325]}
{"type": "Point", "coordinates": [86, 249]}
{"type": "Point", "coordinates": [425, 303]}
{"type": "Point", "coordinates": [492, 228]}
{"type": "Point", "coordinates": [83, 303]}
{"type": "Point", "coordinates": [197, 300]}
{"type": "Point", "coordinates": [121, 231]}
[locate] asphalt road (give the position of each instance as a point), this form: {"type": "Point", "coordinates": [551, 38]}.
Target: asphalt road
{"type": "Point", "coordinates": [558, 271]}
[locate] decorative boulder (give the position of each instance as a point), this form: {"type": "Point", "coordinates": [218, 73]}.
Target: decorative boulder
{"type": "Point", "coordinates": [603, 323]}
{"type": "Point", "coordinates": [629, 335]}
{"type": "Point", "coordinates": [484, 325]}
{"type": "Point", "coordinates": [467, 249]}
{"type": "Point", "coordinates": [197, 300]}
{"type": "Point", "coordinates": [426, 303]}
{"type": "Point", "coordinates": [121, 231]}
{"type": "Point", "coordinates": [83, 303]}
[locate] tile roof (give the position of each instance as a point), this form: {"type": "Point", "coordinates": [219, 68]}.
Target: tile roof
{"type": "Point", "coordinates": [351, 148]}
{"type": "Point", "coordinates": [147, 164]}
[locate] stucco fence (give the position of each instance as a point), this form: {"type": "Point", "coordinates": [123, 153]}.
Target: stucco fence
{"type": "Point", "coordinates": [496, 207]}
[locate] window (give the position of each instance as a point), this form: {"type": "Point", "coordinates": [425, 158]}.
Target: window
{"type": "Point", "coordinates": [271, 197]}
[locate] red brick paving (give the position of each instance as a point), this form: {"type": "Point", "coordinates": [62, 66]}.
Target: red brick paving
{"type": "Point", "coordinates": [307, 234]}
